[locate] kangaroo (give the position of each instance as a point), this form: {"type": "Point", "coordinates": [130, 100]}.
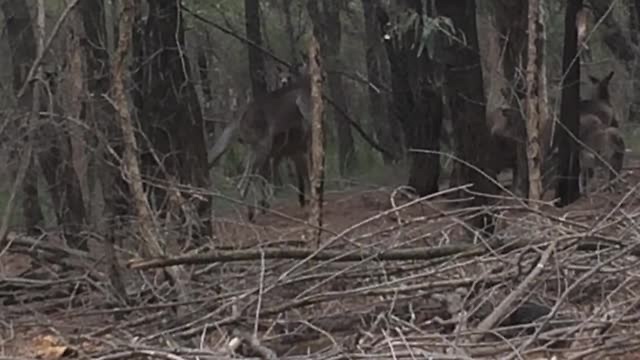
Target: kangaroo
{"type": "Point", "coordinates": [598, 107]}
{"type": "Point", "coordinates": [603, 147]}
{"type": "Point", "coordinates": [600, 102]}
{"type": "Point", "coordinates": [274, 126]}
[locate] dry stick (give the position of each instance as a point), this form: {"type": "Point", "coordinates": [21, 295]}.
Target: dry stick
{"type": "Point", "coordinates": [147, 226]}
{"type": "Point", "coordinates": [317, 141]}
{"type": "Point", "coordinates": [505, 305]}
{"type": "Point", "coordinates": [424, 253]}
{"type": "Point", "coordinates": [567, 291]}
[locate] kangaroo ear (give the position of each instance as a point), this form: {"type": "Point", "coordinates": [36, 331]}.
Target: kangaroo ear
{"type": "Point", "coordinates": [594, 79]}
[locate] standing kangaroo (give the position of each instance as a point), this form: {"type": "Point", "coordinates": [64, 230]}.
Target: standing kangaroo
{"type": "Point", "coordinates": [274, 126]}
{"type": "Point", "coordinates": [603, 146]}
{"type": "Point", "coordinates": [598, 131]}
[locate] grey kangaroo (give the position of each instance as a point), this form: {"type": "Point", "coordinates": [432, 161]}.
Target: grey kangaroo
{"type": "Point", "coordinates": [598, 125]}
{"type": "Point", "coordinates": [274, 126]}
{"type": "Point", "coordinates": [603, 147]}
{"type": "Point", "coordinates": [600, 102]}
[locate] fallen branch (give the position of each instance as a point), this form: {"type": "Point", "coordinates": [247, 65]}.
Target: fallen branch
{"type": "Point", "coordinates": [423, 253]}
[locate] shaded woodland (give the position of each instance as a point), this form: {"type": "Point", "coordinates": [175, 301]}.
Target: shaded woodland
{"type": "Point", "coordinates": [296, 179]}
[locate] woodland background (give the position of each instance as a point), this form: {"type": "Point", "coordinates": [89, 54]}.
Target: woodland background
{"type": "Point", "coordinates": [71, 219]}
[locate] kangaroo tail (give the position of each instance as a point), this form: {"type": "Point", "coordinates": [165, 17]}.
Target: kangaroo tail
{"type": "Point", "coordinates": [229, 135]}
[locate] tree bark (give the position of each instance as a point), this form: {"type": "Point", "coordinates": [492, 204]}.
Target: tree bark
{"type": "Point", "coordinates": [511, 21]}
{"type": "Point", "coordinates": [148, 230]}
{"type": "Point", "coordinates": [22, 44]}
{"type": "Point", "coordinates": [569, 166]}
{"type": "Point", "coordinates": [256, 59]}
{"type": "Point", "coordinates": [317, 141]}
{"type": "Point", "coordinates": [291, 36]}
{"type": "Point", "coordinates": [466, 96]}
{"type": "Point", "coordinates": [415, 104]}
{"type": "Point", "coordinates": [378, 102]}
{"type": "Point", "coordinates": [325, 15]}
{"type": "Point", "coordinates": [170, 112]}
{"type": "Point", "coordinates": [533, 113]}
{"type": "Point", "coordinates": [634, 107]}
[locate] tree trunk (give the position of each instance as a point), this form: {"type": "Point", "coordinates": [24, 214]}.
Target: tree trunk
{"type": "Point", "coordinates": [634, 106]}
{"type": "Point", "coordinates": [291, 36]}
{"type": "Point", "coordinates": [170, 112]}
{"type": "Point", "coordinates": [569, 166]}
{"type": "Point", "coordinates": [256, 59]}
{"type": "Point", "coordinates": [416, 105]}
{"type": "Point", "coordinates": [378, 105]}
{"type": "Point", "coordinates": [466, 96]}
{"type": "Point", "coordinates": [22, 44]}
{"type": "Point", "coordinates": [533, 100]}
{"type": "Point", "coordinates": [317, 141]}
{"type": "Point", "coordinates": [147, 227]}
{"type": "Point", "coordinates": [207, 94]}
{"type": "Point", "coordinates": [325, 15]}
{"type": "Point", "coordinates": [511, 21]}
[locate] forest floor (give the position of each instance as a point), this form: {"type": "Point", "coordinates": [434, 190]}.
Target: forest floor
{"type": "Point", "coordinates": [393, 278]}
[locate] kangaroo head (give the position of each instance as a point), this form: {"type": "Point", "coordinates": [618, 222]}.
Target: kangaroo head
{"type": "Point", "coordinates": [601, 87]}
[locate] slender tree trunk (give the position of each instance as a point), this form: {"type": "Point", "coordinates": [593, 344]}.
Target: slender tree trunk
{"type": "Point", "coordinates": [464, 79]}
{"type": "Point", "coordinates": [146, 222]}
{"type": "Point", "coordinates": [317, 140]}
{"type": "Point", "coordinates": [325, 15]}
{"type": "Point", "coordinates": [378, 105]}
{"type": "Point", "coordinates": [256, 59]}
{"type": "Point", "coordinates": [569, 167]}
{"type": "Point", "coordinates": [533, 113]}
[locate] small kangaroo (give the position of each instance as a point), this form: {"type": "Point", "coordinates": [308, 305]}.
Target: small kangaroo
{"type": "Point", "coordinates": [603, 147]}
{"type": "Point", "coordinates": [274, 125]}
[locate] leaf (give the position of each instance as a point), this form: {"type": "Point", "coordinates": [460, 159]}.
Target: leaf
{"type": "Point", "coordinates": [48, 348]}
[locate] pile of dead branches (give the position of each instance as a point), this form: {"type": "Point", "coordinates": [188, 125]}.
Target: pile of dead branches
{"type": "Point", "coordinates": [390, 287]}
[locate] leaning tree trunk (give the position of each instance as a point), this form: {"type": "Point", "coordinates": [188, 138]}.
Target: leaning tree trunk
{"type": "Point", "coordinates": [378, 108]}
{"type": "Point", "coordinates": [415, 104]}
{"type": "Point", "coordinates": [466, 96]}
{"type": "Point", "coordinates": [22, 44]}
{"type": "Point", "coordinates": [325, 15]}
{"type": "Point", "coordinates": [256, 59]}
{"type": "Point", "coordinates": [569, 166]}
{"type": "Point", "coordinates": [147, 226]}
